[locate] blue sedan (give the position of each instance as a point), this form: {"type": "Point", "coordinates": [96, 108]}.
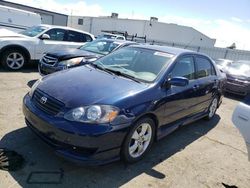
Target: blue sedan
{"type": "Point", "coordinates": [116, 107]}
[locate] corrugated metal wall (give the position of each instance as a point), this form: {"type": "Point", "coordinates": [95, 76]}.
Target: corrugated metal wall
{"type": "Point", "coordinates": [213, 52]}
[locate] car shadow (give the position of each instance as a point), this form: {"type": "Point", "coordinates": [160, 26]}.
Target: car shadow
{"type": "Point", "coordinates": [30, 68]}
{"type": "Point", "coordinates": [234, 96]}
{"type": "Point", "coordinates": [43, 167]}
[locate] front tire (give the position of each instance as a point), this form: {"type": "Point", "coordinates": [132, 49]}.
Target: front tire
{"type": "Point", "coordinates": [13, 59]}
{"type": "Point", "coordinates": [138, 141]}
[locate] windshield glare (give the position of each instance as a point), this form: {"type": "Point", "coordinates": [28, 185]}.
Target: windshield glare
{"type": "Point", "coordinates": [142, 64]}
{"type": "Point", "coordinates": [240, 68]}
{"type": "Point", "coordinates": [222, 62]}
{"type": "Point", "coordinates": [100, 47]}
{"type": "Point", "coordinates": [240, 65]}
{"type": "Point", "coordinates": [33, 31]}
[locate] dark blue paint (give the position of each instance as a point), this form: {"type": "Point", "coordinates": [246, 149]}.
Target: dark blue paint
{"type": "Point", "coordinates": [171, 107]}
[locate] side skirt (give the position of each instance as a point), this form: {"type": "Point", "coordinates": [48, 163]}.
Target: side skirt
{"type": "Point", "coordinates": [169, 128]}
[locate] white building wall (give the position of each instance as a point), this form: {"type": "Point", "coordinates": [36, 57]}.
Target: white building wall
{"type": "Point", "coordinates": [155, 31]}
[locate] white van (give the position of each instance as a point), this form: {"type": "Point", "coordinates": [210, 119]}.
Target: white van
{"type": "Point", "coordinates": [16, 19]}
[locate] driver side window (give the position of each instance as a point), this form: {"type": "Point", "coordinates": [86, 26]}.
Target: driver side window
{"type": "Point", "coordinates": [184, 67]}
{"type": "Point", "coordinates": [56, 34]}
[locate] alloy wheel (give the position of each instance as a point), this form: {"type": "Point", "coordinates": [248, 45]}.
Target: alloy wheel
{"type": "Point", "coordinates": [15, 60]}
{"type": "Point", "coordinates": [140, 140]}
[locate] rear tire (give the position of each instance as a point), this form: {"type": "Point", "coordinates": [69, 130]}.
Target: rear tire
{"type": "Point", "coordinates": [138, 141]}
{"type": "Point", "coordinates": [212, 108]}
{"type": "Point", "coordinates": [13, 59]}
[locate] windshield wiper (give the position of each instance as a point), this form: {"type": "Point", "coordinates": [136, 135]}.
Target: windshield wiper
{"type": "Point", "coordinates": [119, 73]}
{"type": "Point", "coordinates": [101, 68]}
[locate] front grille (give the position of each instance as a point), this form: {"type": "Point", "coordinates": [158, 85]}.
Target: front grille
{"type": "Point", "coordinates": [51, 106]}
{"type": "Point", "coordinates": [238, 82]}
{"type": "Point", "coordinates": [49, 60]}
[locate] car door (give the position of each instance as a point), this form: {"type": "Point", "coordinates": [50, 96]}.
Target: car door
{"type": "Point", "coordinates": [241, 119]}
{"type": "Point", "coordinates": [208, 81]}
{"type": "Point", "coordinates": [76, 39]}
{"type": "Point", "coordinates": [180, 101]}
{"type": "Point", "coordinates": [55, 42]}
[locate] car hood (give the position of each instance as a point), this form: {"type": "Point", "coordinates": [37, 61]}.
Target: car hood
{"type": "Point", "coordinates": [239, 73]}
{"type": "Point", "coordinates": [86, 86]}
{"type": "Point", "coordinates": [69, 53]}
{"type": "Point", "coordinates": [5, 33]}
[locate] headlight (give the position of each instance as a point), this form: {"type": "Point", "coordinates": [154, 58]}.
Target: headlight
{"type": "Point", "coordinates": [93, 114]}
{"type": "Point", "coordinates": [91, 60]}
{"type": "Point", "coordinates": [71, 62]}
{"type": "Point", "coordinates": [34, 86]}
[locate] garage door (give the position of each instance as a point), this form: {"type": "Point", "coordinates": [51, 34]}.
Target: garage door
{"type": "Point", "coordinates": [47, 19]}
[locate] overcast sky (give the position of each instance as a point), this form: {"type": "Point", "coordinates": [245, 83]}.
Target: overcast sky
{"type": "Point", "coordinates": [227, 21]}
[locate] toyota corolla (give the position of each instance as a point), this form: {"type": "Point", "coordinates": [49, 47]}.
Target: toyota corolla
{"type": "Point", "coordinates": [116, 107]}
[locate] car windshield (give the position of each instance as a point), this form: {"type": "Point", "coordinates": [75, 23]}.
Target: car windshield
{"type": "Point", "coordinates": [33, 31]}
{"type": "Point", "coordinates": [100, 47]}
{"type": "Point", "coordinates": [136, 63]}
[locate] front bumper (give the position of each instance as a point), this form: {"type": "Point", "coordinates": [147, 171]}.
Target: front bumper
{"type": "Point", "coordinates": [77, 142]}
{"type": "Point", "coordinates": [239, 89]}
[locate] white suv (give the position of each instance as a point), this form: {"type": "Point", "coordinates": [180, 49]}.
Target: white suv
{"type": "Point", "coordinates": [31, 44]}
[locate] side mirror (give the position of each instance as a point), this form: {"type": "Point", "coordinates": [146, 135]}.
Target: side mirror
{"type": "Point", "coordinates": [177, 81]}
{"type": "Point", "coordinates": [45, 37]}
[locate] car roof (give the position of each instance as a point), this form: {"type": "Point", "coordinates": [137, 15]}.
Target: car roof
{"type": "Point", "coordinates": [166, 49]}
{"type": "Point", "coordinates": [118, 41]}
{"type": "Point", "coordinates": [111, 34]}
{"type": "Point", "coordinates": [66, 28]}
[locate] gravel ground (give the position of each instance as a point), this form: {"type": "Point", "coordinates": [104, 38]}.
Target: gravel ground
{"type": "Point", "coordinates": [202, 154]}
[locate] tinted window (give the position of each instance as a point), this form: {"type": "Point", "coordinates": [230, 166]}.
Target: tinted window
{"type": "Point", "coordinates": [87, 38]}
{"type": "Point", "coordinates": [56, 34]}
{"type": "Point", "coordinates": [204, 67]}
{"type": "Point", "coordinates": [74, 36]}
{"type": "Point", "coordinates": [184, 68]}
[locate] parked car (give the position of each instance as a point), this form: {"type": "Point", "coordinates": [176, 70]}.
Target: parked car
{"type": "Point", "coordinates": [63, 59]}
{"type": "Point", "coordinates": [238, 78]}
{"type": "Point", "coordinates": [222, 64]}
{"type": "Point", "coordinates": [117, 106]}
{"type": "Point", "coordinates": [30, 45]}
{"type": "Point", "coordinates": [241, 119]}
{"type": "Point", "coordinates": [111, 36]}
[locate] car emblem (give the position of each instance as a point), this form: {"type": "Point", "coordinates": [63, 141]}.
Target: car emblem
{"type": "Point", "coordinates": [43, 100]}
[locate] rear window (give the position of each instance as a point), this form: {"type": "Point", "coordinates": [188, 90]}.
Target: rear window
{"type": "Point", "coordinates": [74, 36]}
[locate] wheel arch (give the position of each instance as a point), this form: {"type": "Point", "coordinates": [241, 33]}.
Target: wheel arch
{"type": "Point", "coordinates": [19, 47]}
{"type": "Point", "coordinates": [151, 116]}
